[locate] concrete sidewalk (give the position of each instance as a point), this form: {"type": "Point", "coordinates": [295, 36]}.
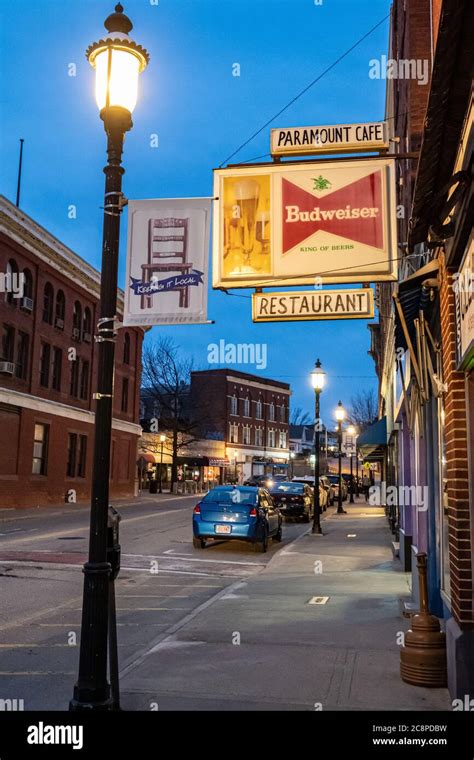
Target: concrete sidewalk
{"type": "Point", "coordinates": [260, 645]}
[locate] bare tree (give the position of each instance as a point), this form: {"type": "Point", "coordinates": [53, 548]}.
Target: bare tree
{"type": "Point", "coordinates": [298, 417]}
{"type": "Point", "coordinates": [166, 378]}
{"type": "Point", "coordinates": [363, 409]}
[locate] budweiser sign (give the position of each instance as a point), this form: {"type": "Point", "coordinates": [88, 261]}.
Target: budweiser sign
{"type": "Point", "coordinates": [307, 223]}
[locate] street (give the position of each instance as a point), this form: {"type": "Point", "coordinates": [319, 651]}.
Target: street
{"type": "Point", "coordinates": [224, 628]}
{"type": "Point", "coordinates": [163, 582]}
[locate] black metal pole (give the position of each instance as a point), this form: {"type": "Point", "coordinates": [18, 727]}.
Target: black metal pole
{"type": "Point", "coordinates": [160, 489]}
{"type": "Point", "coordinates": [357, 473]}
{"type": "Point", "coordinates": [340, 510]}
{"type": "Point", "coordinates": [20, 164]}
{"type": "Point", "coordinates": [92, 690]}
{"type": "Point", "coordinates": [316, 505]}
{"type": "Point", "coordinates": [113, 649]}
{"type": "Point", "coordinates": [351, 500]}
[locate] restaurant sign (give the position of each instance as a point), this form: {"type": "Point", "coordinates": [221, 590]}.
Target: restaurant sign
{"type": "Point", "coordinates": [306, 305]}
{"type": "Point", "coordinates": [463, 284]}
{"type": "Point", "coordinates": [336, 138]}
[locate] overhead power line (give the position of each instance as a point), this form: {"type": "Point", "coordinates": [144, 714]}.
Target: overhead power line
{"type": "Point", "coordinates": [308, 87]}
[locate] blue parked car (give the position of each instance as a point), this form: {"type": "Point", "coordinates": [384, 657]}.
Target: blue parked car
{"type": "Point", "coordinates": [243, 512]}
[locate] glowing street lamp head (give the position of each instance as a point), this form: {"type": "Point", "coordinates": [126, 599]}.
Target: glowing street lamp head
{"type": "Point", "coordinates": [318, 377]}
{"type": "Point", "coordinates": [351, 430]}
{"type": "Point", "coordinates": [162, 438]}
{"type": "Point", "coordinates": [118, 62]}
{"type": "Point", "coordinates": [340, 412]}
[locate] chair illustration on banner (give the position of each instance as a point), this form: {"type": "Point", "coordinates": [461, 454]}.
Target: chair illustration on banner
{"type": "Point", "coordinates": [167, 252]}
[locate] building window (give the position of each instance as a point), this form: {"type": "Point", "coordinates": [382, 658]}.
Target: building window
{"type": "Point", "coordinates": [60, 310]}
{"type": "Point", "coordinates": [76, 321]}
{"type": "Point", "coordinates": [126, 348]}
{"type": "Point", "coordinates": [233, 433]}
{"type": "Point", "coordinates": [246, 434]}
{"type": "Point", "coordinates": [48, 301]}
{"type": "Point", "coordinates": [27, 284]}
{"type": "Point", "coordinates": [233, 405]}
{"type": "Point", "coordinates": [57, 367]}
{"type": "Point", "coordinates": [258, 437]}
{"type": "Point", "coordinates": [271, 412]}
{"type": "Point", "coordinates": [21, 368]}
{"type": "Point", "coordinates": [82, 461]}
{"type": "Point", "coordinates": [282, 413]}
{"type": "Point", "coordinates": [124, 404]}
{"type": "Point", "coordinates": [40, 450]}
{"type": "Point", "coordinates": [11, 282]}
{"type": "Point", "coordinates": [271, 439]}
{"type": "Point", "coordinates": [8, 343]}
{"type": "Point", "coordinates": [87, 325]}
{"type": "Point", "coordinates": [71, 455]}
{"type": "Point", "coordinates": [85, 381]}
{"type": "Point", "coordinates": [44, 364]}
{"type": "Point", "coordinates": [282, 440]}
{"type": "Point", "coordinates": [259, 410]}
{"type": "Point", "coordinates": [246, 407]}
{"type": "Point", "coordinates": [74, 384]}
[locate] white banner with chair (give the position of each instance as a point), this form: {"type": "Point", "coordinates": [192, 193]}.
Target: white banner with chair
{"type": "Point", "coordinates": [167, 261]}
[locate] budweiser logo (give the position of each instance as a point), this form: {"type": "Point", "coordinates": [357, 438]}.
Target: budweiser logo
{"type": "Point", "coordinates": [352, 212]}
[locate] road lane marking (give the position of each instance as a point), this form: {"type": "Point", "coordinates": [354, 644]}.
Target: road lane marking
{"type": "Point", "coordinates": [182, 558]}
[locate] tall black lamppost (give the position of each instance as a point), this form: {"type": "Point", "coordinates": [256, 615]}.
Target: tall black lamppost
{"type": "Point", "coordinates": [318, 377]}
{"type": "Point", "coordinates": [351, 431]}
{"type": "Point", "coordinates": [340, 414]}
{"type": "Point", "coordinates": [118, 61]}
{"type": "Point", "coordinates": [162, 440]}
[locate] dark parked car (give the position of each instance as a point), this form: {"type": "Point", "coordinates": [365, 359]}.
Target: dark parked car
{"type": "Point", "coordinates": [243, 512]}
{"type": "Point", "coordinates": [294, 499]}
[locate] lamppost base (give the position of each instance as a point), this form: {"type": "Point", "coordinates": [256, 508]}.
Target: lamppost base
{"type": "Point", "coordinates": [317, 532]}
{"type": "Point", "coordinates": [78, 704]}
{"type": "Point", "coordinates": [341, 512]}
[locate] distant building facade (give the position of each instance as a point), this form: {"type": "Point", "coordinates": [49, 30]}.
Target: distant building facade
{"type": "Point", "coordinates": [48, 366]}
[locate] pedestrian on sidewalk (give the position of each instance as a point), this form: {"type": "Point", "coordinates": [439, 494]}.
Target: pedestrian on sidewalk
{"type": "Point", "coordinates": [366, 486]}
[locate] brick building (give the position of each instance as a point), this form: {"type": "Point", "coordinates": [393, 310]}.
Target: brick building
{"type": "Point", "coordinates": [48, 371]}
{"type": "Point", "coordinates": [250, 414]}
{"type": "Point", "coordinates": [423, 344]}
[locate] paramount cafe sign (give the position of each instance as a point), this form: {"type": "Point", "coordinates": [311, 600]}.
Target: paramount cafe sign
{"type": "Point", "coordinates": [338, 138]}
{"type": "Point", "coordinates": [313, 305]}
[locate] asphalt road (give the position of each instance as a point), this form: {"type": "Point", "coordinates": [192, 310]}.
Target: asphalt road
{"type": "Point", "coordinates": [164, 581]}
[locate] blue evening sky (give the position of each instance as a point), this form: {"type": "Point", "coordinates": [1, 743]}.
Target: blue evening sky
{"type": "Point", "coordinates": [201, 114]}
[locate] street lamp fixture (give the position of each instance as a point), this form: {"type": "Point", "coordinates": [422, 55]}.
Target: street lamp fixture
{"type": "Point", "coordinates": [340, 416]}
{"type": "Point", "coordinates": [117, 61]}
{"type": "Point", "coordinates": [352, 432]}
{"type": "Point", "coordinates": [318, 377]}
{"type": "Point", "coordinates": [162, 441]}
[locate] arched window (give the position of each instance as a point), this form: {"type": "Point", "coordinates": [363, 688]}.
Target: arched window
{"type": "Point", "coordinates": [87, 325]}
{"type": "Point", "coordinates": [77, 321]}
{"type": "Point", "coordinates": [48, 301]}
{"type": "Point", "coordinates": [27, 284]}
{"type": "Point", "coordinates": [11, 282]}
{"type": "Point", "coordinates": [259, 409]}
{"type": "Point", "coordinates": [60, 310]}
{"type": "Point", "coordinates": [126, 348]}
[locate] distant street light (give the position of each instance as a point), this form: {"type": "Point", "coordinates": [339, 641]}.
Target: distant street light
{"type": "Point", "coordinates": [117, 61]}
{"type": "Point", "coordinates": [162, 440]}
{"type": "Point", "coordinates": [318, 378]}
{"type": "Point", "coordinates": [340, 416]}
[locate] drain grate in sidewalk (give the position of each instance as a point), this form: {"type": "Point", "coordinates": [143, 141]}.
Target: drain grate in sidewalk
{"type": "Point", "coordinates": [318, 600]}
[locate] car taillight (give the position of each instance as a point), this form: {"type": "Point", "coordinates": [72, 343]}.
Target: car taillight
{"type": "Point", "coordinates": [197, 509]}
{"type": "Point", "coordinates": [253, 512]}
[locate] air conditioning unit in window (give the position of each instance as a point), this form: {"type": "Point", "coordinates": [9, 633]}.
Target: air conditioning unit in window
{"type": "Point", "coordinates": [75, 333]}
{"type": "Point", "coordinates": [26, 304]}
{"type": "Point", "coordinates": [7, 368]}
{"type": "Point", "coordinates": [86, 337]}
{"type": "Point", "coordinates": [59, 323]}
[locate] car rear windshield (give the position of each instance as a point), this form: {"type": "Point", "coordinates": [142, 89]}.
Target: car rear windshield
{"type": "Point", "coordinates": [289, 488]}
{"type": "Point", "coordinates": [230, 496]}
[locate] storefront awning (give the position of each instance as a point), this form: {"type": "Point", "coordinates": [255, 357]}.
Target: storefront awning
{"type": "Point", "coordinates": [146, 457]}
{"type": "Point", "coordinates": [203, 461]}
{"type": "Point", "coordinates": [412, 297]}
{"type": "Point", "coordinates": [372, 442]}
{"type": "Point", "coordinates": [218, 462]}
